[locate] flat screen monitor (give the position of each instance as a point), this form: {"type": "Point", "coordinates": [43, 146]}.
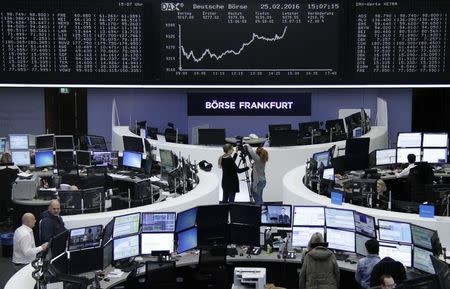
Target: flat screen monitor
{"type": "Point", "coordinates": [212, 215]}
{"type": "Point", "coordinates": [102, 158]}
{"type": "Point", "coordinates": [44, 159]}
{"type": "Point", "coordinates": [2, 144]}
{"type": "Point", "coordinates": [245, 214]}
{"type": "Point", "coordinates": [83, 238]}
{"type": "Point", "coordinates": [107, 232]}
{"type": "Point", "coordinates": [435, 140]}
{"type": "Point", "coordinates": [64, 159]}
{"type": "Point", "coordinates": [398, 252]}
{"type": "Point", "coordinates": [307, 128]}
{"type": "Point", "coordinates": [18, 141]}
{"type": "Point", "coordinates": [64, 142]}
{"type": "Point", "coordinates": [186, 219]}
{"type": "Point", "coordinates": [21, 158]}
{"type": "Point", "coordinates": [422, 260]}
{"type": "Point", "coordinates": [422, 237]}
{"type": "Point", "coordinates": [187, 240]}
{"type": "Point", "coordinates": [276, 215]}
{"type": "Point", "coordinates": [244, 234]}
{"type": "Point", "coordinates": [385, 157]}
{"type": "Point", "coordinates": [309, 216]}
{"type": "Point", "coordinates": [360, 244]}
{"type": "Point", "coordinates": [341, 240]}
{"type": "Point", "coordinates": [302, 235]}
{"type": "Point", "coordinates": [45, 141]}
{"type": "Point", "coordinates": [126, 225]}
{"type": "Point", "coordinates": [166, 158]}
{"type": "Point", "coordinates": [365, 225]}
{"type": "Point", "coordinates": [409, 140]}
{"type": "Point", "coordinates": [58, 244]}
{"type": "Point", "coordinates": [158, 222]}
{"type": "Point", "coordinates": [95, 143]}
{"type": "Point", "coordinates": [211, 136]}
{"type": "Point", "coordinates": [322, 158]}
{"type": "Point", "coordinates": [151, 242]}
{"type": "Point", "coordinates": [279, 127]}
{"type": "Point", "coordinates": [134, 144]}
{"type": "Point", "coordinates": [402, 154]}
{"type": "Point", "coordinates": [435, 155]}
{"type": "Point", "coordinates": [126, 247]}
{"type": "Point", "coordinates": [394, 231]}
{"type": "Point", "coordinates": [83, 158]}
{"type": "Point", "coordinates": [335, 126]}
{"type": "Point", "coordinates": [279, 138]}
{"type": "Point", "coordinates": [339, 218]}
{"type": "Point", "coordinates": [328, 174]}
{"type": "Point", "coordinates": [132, 160]}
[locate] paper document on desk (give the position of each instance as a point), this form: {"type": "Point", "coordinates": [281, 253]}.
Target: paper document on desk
{"type": "Point", "coordinates": [117, 176]}
{"type": "Point", "coordinates": [155, 179]}
{"type": "Point", "coordinates": [116, 273]}
{"type": "Point", "coordinates": [24, 175]}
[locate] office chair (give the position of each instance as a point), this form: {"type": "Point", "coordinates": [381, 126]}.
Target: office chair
{"type": "Point", "coordinates": [7, 178]}
{"type": "Point", "coordinates": [419, 176]}
{"type": "Point", "coordinates": [212, 271]}
{"type": "Point", "coordinates": [160, 275]}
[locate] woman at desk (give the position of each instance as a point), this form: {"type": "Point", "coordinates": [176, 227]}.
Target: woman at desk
{"type": "Point", "coordinates": [230, 171]}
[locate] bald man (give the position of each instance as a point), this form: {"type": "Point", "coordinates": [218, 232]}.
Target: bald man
{"type": "Point", "coordinates": [25, 250]}
{"type": "Point", "coordinates": [51, 222]}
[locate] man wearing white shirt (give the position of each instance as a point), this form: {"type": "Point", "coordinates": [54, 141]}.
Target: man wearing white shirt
{"type": "Point", "coordinates": [411, 164]}
{"type": "Point", "coordinates": [25, 250]}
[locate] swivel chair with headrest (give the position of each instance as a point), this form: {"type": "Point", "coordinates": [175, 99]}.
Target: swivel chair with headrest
{"type": "Point", "coordinates": [212, 271]}
{"type": "Point", "coordinates": [419, 176]}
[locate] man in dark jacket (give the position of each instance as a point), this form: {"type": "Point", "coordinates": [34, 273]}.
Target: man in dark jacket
{"type": "Point", "coordinates": [387, 266]}
{"type": "Point", "coordinates": [51, 222]}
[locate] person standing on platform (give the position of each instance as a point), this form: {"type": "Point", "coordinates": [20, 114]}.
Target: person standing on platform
{"type": "Point", "coordinates": [24, 247]}
{"type": "Point", "coordinates": [260, 158]}
{"type": "Point", "coordinates": [320, 269]}
{"type": "Point", "coordinates": [366, 264]}
{"type": "Point", "coordinates": [411, 164]}
{"type": "Point", "coordinates": [230, 171]}
{"type": "Point", "coordinates": [51, 222]}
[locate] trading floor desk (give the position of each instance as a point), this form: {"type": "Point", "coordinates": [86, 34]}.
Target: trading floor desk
{"type": "Point", "coordinates": [281, 159]}
{"type": "Point", "coordinates": [295, 192]}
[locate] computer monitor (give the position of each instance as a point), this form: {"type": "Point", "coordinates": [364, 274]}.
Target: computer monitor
{"type": "Point", "coordinates": [276, 215]}
{"type": "Point", "coordinates": [2, 144]}
{"type": "Point", "coordinates": [385, 157]}
{"type": "Point", "coordinates": [394, 231]}
{"type": "Point", "coordinates": [93, 143]}
{"type": "Point", "coordinates": [126, 225]}
{"type": "Point", "coordinates": [86, 237]}
{"type": "Point", "coordinates": [328, 174]}
{"type": "Point", "coordinates": [365, 225]}
{"type": "Point", "coordinates": [101, 158]}
{"type": "Point", "coordinates": [360, 244]}
{"type": "Point", "coordinates": [442, 270]}
{"type": "Point", "coordinates": [435, 140]}
{"type": "Point", "coordinates": [279, 127]}
{"type": "Point", "coordinates": [18, 141]}
{"type": "Point", "coordinates": [339, 218]}
{"type": "Point", "coordinates": [279, 138]}
{"type": "Point", "coordinates": [152, 242]}
{"type": "Point", "coordinates": [211, 136]}
{"type": "Point", "coordinates": [212, 215]}
{"type": "Point", "coordinates": [307, 128]}
{"type": "Point", "coordinates": [341, 240]}
{"type": "Point", "coordinates": [187, 240]}
{"type": "Point", "coordinates": [44, 159]}
{"type": "Point", "coordinates": [186, 220]}
{"type": "Point", "coordinates": [323, 158]}
{"type": "Point", "coordinates": [126, 247]}
{"type": "Point", "coordinates": [132, 160]}
{"type": "Point", "coordinates": [58, 244]}
{"type": "Point", "coordinates": [21, 158]}
{"type": "Point", "coordinates": [435, 155]}
{"type": "Point", "coordinates": [107, 232]}
{"type": "Point", "coordinates": [167, 159]}
{"type": "Point", "coordinates": [64, 159]}
{"type": "Point", "coordinates": [64, 142]}
{"type": "Point", "coordinates": [422, 260]}
{"type": "Point", "coordinates": [158, 222]}
{"type": "Point", "coordinates": [409, 140]}
{"type": "Point", "coordinates": [309, 216]}
{"type": "Point", "coordinates": [241, 234]}
{"type": "Point", "coordinates": [398, 252]}
{"type": "Point", "coordinates": [83, 158]}
{"type": "Point", "coordinates": [45, 141]}
{"type": "Point", "coordinates": [422, 237]}
{"type": "Point", "coordinates": [402, 154]}
{"type": "Point", "coordinates": [335, 126]}
{"type": "Point", "coordinates": [134, 144]}
{"type": "Point", "coordinates": [245, 214]}
{"type": "Point", "coordinates": [302, 235]}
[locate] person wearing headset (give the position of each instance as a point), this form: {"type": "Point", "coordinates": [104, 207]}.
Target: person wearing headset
{"type": "Point", "coordinates": [260, 157]}
{"type": "Point", "coordinates": [230, 171]}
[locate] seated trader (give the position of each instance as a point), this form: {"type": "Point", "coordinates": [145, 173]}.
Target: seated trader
{"type": "Point", "coordinates": [381, 199]}
{"type": "Point", "coordinates": [411, 164]}
{"type": "Point", "coordinates": [51, 222]}
{"type": "Point", "coordinates": [320, 268]}
{"type": "Point", "coordinates": [24, 247]}
{"type": "Point", "coordinates": [6, 162]}
{"type": "Point", "coordinates": [366, 264]}
{"type": "Point", "coordinates": [387, 282]}
{"type": "Point", "coordinates": [387, 266]}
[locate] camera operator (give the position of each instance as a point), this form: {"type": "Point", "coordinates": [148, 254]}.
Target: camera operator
{"type": "Point", "coordinates": [230, 171]}
{"type": "Point", "coordinates": [260, 158]}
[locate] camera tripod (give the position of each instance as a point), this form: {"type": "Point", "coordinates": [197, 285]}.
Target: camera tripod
{"type": "Point", "coordinates": [243, 160]}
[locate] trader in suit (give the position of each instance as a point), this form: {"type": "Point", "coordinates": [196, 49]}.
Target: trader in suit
{"type": "Point", "coordinates": [283, 218]}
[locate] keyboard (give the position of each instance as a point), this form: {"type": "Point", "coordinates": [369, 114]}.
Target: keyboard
{"type": "Point", "coordinates": [341, 257]}
{"type": "Point", "coordinates": [128, 266]}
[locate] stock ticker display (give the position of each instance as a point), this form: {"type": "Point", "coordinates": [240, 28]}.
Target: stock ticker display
{"type": "Point", "coordinates": [148, 42]}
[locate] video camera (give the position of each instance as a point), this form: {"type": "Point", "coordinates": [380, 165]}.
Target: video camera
{"type": "Point", "coordinates": [240, 147]}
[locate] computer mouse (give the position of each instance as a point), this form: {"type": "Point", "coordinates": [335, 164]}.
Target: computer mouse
{"type": "Point", "coordinates": [106, 279]}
